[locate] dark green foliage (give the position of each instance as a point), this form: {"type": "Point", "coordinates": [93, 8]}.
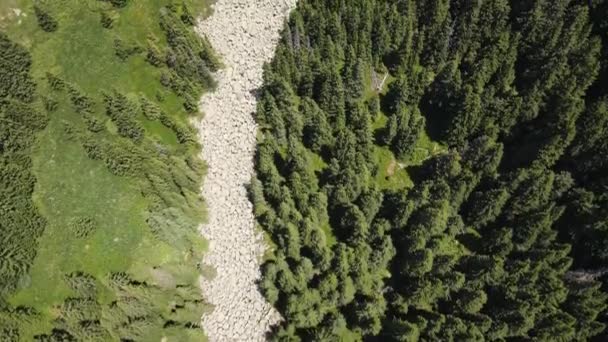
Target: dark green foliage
{"type": "Point", "coordinates": [15, 62]}
{"type": "Point", "coordinates": [50, 104]}
{"type": "Point", "coordinates": [118, 3]}
{"type": "Point", "coordinates": [185, 134]}
{"type": "Point", "coordinates": [123, 113]}
{"type": "Point", "coordinates": [10, 318]}
{"type": "Point", "coordinates": [94, 125]}
{"type": "Point", "coordinates": [150, 110]}
{"type": "Point", "coordinates": [584, 220]}
{"type": "Point", "coordinates": [82, 103]}
{"type": "Point", "coordinates": [186, 16]}
{"type": "Point", "coordinates": [190, 58]}
{"type": "Point", "coordinates": [155, 57]}
{"type": "Point", "coordinates": [124, 50]}
{"type": "Point", "coordinates": [20, 222]}
{"type": "Point", "coordinates": [405, 124]}
{"type": "Point", "coordinates": [190, 104]}
{"type": "Point", "coordinates": [134, 311]}
{"type": "Point", "coordinates": [45, 20]}
{"type": "Point", "coordinates": [122, 158]}
{"type": "Point", "coordinates": [489, 242]}
{"type": "Point", "coordinates": [82, 226]}
{"type": "Point", "coordinates": [55, 82]}
{"type": "Point", "coordinates": [106, 20]}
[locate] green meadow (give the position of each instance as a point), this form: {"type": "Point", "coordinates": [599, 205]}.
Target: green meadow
{"type": "Point", "coordinates": [116, 169]}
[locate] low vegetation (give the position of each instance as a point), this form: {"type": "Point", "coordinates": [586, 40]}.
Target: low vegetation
{"type": "Point", "coordinates": [99, 194]}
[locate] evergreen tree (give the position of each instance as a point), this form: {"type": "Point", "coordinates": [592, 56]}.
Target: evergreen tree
{"type": "Point", "coordinates": [502, 235]}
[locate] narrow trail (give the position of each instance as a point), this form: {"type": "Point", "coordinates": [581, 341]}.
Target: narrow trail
{"type": "Point", "coordinates": [244, 33]}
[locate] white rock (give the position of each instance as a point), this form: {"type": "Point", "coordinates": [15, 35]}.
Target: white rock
{"type": "Point", "coordinates": [244, 33]}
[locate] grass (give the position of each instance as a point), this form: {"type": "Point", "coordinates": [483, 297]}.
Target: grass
{"type": "Point", "coordinates": [425, 148]}
{"type": "Point", "coordinates": [390, 175]}
{"type": "Point", "coordinates": [369, 91]}
{"type": "Point", "coordinates": [379, 122]}
{"type": "Point", "coordinates": [70, 185]}
{"type": "Point", "coordinates": [317, 164]}
{"type": "Point", "coordinates": [163, 134]}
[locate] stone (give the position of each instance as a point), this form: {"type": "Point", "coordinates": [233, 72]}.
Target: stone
{"type": "Point", "coordinates": [228, 135]}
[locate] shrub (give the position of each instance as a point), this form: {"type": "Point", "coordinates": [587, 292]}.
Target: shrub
{"type": "Point", "coordinates": [20, 222]}
{"type": "Point", "coordinates": [82, 103]}
{"type": "Point", "coordinates": [118, 3]}
{"type": "Point", "coordinates": [15, 63]}
{"type": "Point", "coordinates": [124, 51]}
{"type": "Point", "coordinates": [45, 20]}
{"type": "Point", "coordinates": [106, 20]}
{"type": "Point", "coordinates": [94, 124]}
{"type": "Point", "coordinates": [50, 104]}
{"type": "Point", "coordinates": [124, 159]}
{"type": "Point", "coordinates": [93, 148]}
{"type": "Point", "coordinates": [191, 57]}
{"type": "Point", "coordinates": [155, 57]}
{"type": "Point", "coordinates": [190, 104]}
{"type": "Point", "coordinates": [150, 110]}
{"type": "Point", "coordinates": [55, 82]}
{"type": "Point", "coordinates": [123, 113]}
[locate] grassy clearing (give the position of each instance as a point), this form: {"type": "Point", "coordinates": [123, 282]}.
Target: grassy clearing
{"type": "Point", "coordinates": [392, 173]}
{"type": "Point", "coordinates": [369, 90]}
{"type": "Point", "coordinates": [425, 148]}
{"type": "Point", "coordinates": [317, 164]}
{"type": "Point", "coordinates": [97, 220]}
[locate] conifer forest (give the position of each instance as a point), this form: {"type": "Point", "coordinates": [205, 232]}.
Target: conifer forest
{"type": "Point", "coordinates": [437, 171]}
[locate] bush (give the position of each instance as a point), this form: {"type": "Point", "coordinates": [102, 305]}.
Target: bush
{"type": "Point", "coordinates": [106, 20]}
{"type": "Point", "coordinates": [150, 110]}
{"type": "Point", "coordinates": [124, 51]}
{"type": "Point", "coordinates": [124, 159]}
{"type": "Point", "coordinates": [186, 16]}
{"type": "Point", "coordinates": [118, 3]}
{"type": "Point", "coordinates": [50, 104]}
{"type": "Point", "coordinates": [191, 57]}
{"type": "Point", "coordinates": [93, 148]}
{"type": "Point", "coordinates": [190, 104]}
{"type": "Point", "coordinates": [185, 134]}
{"type": "Point", "coordinates": [20, 222]}
{"type": "Point", "coordinates": [94, 124]}
{"type": "Point", "coordinates": [45, 20]}
{"type": "Point", "coordinates": [82, 103]}
{"type": "Point", "coordinates": [15, 62]}
{"type": "Point", "coordinates": [155, 57]}
{"type": "Point", "coordinates": [123, 113]}
{"type": "Point", "coordinates": [55, 82]}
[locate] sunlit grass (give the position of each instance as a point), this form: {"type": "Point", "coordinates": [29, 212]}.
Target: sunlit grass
{"type": "Point", "coordinates": [70, 185]}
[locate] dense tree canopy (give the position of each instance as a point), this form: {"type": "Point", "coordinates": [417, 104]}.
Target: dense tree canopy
{"type": "Point", "coordinates": [503, 234]}
{"type": "Point", "coordinates": [20, 221]}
